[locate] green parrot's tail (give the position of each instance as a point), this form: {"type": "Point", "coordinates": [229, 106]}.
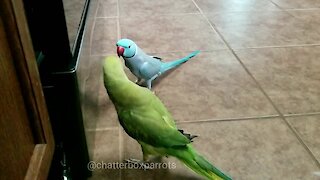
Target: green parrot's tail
{"type": "Point", "coordinates": [200, 165]}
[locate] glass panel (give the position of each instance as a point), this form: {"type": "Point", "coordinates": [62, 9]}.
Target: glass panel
{"type": "Point", "coordinates": [73, 11]}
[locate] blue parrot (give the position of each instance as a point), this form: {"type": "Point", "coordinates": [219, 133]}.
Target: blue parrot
{"type": "Point", "coordinates": [143, 66]}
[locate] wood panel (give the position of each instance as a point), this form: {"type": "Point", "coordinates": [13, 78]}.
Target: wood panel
{"type": "Point", "coordinates": [26, 137]}
{"type": "Point", "coordinates": [16, 140]}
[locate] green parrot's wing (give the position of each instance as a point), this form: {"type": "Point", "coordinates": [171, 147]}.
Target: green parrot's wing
{"type": "Point", "coordinates": [149, 125]}
{"type": "Point", "coordinates": [162, 110]}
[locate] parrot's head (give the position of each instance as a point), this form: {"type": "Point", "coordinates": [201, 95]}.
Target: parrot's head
{"type": "Point", "coordinates": [126, 48]}
{"type": "Point", "coordinates": [113, 69]}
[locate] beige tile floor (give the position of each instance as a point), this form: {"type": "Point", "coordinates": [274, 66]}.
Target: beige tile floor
{"type": "Point", "coordinates": [252, 95]}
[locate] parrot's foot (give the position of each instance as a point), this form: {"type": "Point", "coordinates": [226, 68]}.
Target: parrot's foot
{"type": "Point", "coordinates": [139, 164]}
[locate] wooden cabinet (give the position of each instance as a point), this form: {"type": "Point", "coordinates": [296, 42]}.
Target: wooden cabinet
{"type": "Point", "coordinates": [26, 139]}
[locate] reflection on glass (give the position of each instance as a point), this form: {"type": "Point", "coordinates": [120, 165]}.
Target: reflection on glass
{"type": "Point", "coordinates": [73, 10]}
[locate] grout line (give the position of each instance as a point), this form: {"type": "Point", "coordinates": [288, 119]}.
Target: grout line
{"type": "Point", "coordinates": [216, 50]}
{"type": "Point", "coordinates": [302, 114]}
{"type": "Point", "coordinates": [303, 9]}
{"type": "Point", "coordinates": [177, 14]}
{"type": "Point", "coordinates": [219, 12]}
{"type": "Point", "coordinates": [228, 119]}
{"type": "Point", "coordinates": [209, 23]}
{"type": "Point", "coordinates": [285, 46]}
{"type": "Point", "coordinates": [118, 8]}
{"type": "Point", "coordinates": [118, 20]}
{"type": "Point", "coordinates": [93, 27]}
{"type": "Point", "coordinates": [276, 5]}
{"type": "Point", "coordinates": [121, 155]}
{"type": "Point", "coordinates": [189, 51]}
{"type": "Point", "coordinates": [120, 145]}
{"type": "Point", "coordinates": [108, 17]}
{"type": "Point", "coordinates": [291, 11]}
{"type": "Point", "coordinates": [118, 28]}
{"type": "Point", "coordinates": [293, 130]}
{"type": "Point", "coordinates": [167, 52]}
{"type": "Point", "coordinates": [168, 14]}
{"type": "Point", "coordinates": [102, 129]}
{"type": "Point", "coordinates": [294, 9]}
{"type": "Point", "coordinates": [90, 45]}
{"type": "Point", "coordinates": [98, 55]}
{"type": "Point", "coordinates": [243, 11]}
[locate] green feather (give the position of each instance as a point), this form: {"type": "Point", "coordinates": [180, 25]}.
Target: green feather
{"type": "Point", "coordinates": [145, 118]}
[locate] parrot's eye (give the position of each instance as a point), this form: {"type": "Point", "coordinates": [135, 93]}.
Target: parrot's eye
{"type": "Point", "coordinates": [129, 46]}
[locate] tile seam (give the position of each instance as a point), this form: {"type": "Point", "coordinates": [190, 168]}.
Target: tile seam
{"type": "Point", "coordinates": [302, 114]}
{"type": "Point", "coordinates": [102, 129]}
{"type": "Point", "coordinates": [93, 27]}
{"type": "Point", "coordinates": [272, 47]}
{"type": "Point", "coordinates": [293, 130]}
{"type": "Point", "coordinates": [229, 119]}
{"type": "Point", "coordinates": [121, 141]}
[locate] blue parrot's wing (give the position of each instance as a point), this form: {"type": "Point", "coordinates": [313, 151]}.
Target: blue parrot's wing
{"type": "Point", "coordinates": [149, 69]}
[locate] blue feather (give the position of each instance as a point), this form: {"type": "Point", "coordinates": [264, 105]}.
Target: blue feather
{"type": "Point", "coordinates": [165, 66]}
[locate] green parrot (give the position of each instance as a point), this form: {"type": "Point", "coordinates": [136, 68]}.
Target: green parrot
{"type": "Point", "coordinates": [144, 117]}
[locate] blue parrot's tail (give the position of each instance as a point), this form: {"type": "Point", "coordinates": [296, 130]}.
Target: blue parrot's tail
{"type": "Point", "coordinates": [169, 65]}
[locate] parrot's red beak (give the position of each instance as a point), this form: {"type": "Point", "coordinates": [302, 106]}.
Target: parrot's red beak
{"type": "Point", "coordinates": [120, 51]}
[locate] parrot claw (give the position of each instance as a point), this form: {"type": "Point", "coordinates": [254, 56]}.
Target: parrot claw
{"type": "Point", "coordinates": [140, 164]}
